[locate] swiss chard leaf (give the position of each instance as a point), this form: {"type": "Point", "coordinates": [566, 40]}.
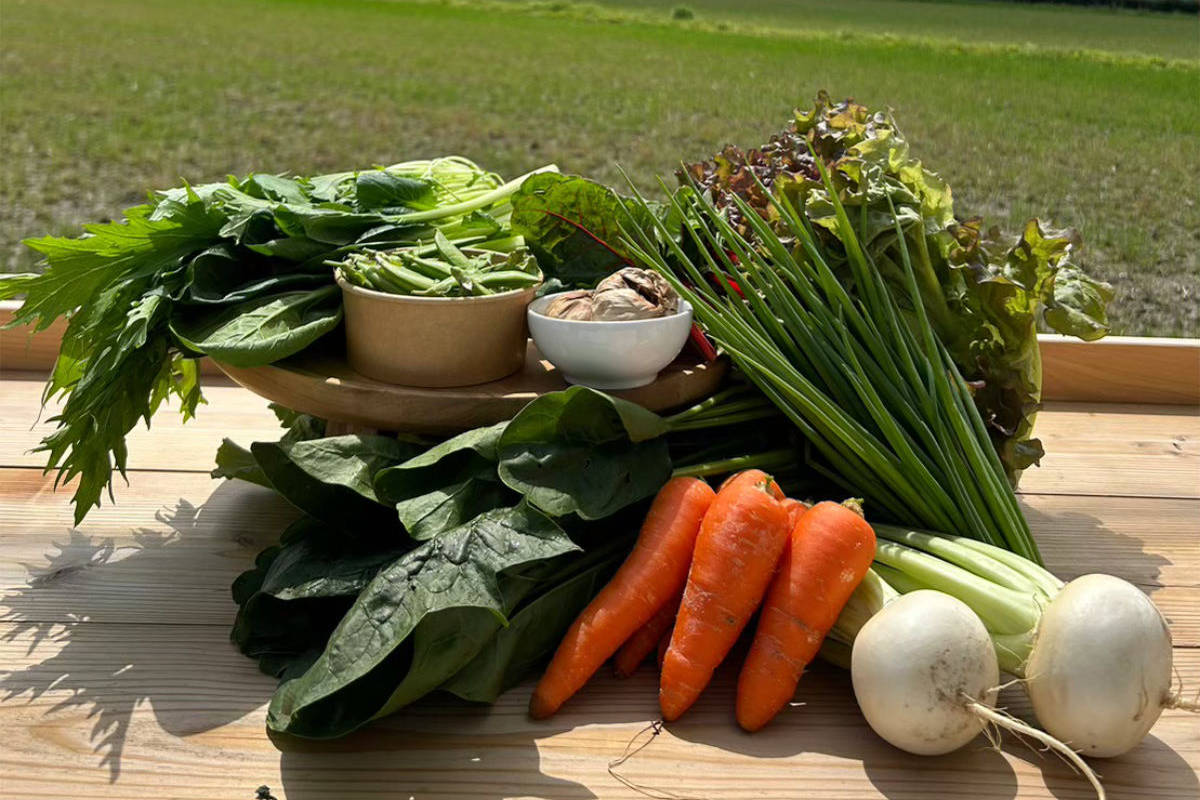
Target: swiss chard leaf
{"type": "Point", "coordinates": [418, 622]}
{"type": "Point", "coordinates": [584, 452]}
{"type": "Point", "coordinates": [331, 479]}
{"type": "Point", "coordinates": [572, 226]}
{"type": "Point", "coordinates": [262, 330]}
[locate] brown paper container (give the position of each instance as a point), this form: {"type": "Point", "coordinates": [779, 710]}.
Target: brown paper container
{"type": "Point", "coordinates": [435, 342]}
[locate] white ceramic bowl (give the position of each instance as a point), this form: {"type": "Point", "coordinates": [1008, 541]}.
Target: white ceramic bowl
{"type": "Point", "coordinates": [609, 355]}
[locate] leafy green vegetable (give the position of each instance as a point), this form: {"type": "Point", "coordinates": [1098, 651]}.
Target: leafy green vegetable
{"type": "Point", "coordinates": [332, 479]}
{"type": "Point", "coordinates": [264, 329]}
{"type": "Point", "coordinates": [880, 401]}
{"type": "Point", "coordinates": [582, 451]}
{"type": "Point", "coordinates": [298, 591]}
{"type": "Point", "coordinates": [984, 295]}
{"type": "Point", "coordinates": [567, 221]}
{"type": "Point", "coordinates": [418, 622]}
{"type": "Point", "coordinates": [234, 270]}
{"type": "Point", "coordinates": [537, 627]}
{"type": "Point", "coordinates": [236, 462]}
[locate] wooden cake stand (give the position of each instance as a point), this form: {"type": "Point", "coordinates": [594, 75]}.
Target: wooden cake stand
{"type": "Point", "coordinates": [321, 383]}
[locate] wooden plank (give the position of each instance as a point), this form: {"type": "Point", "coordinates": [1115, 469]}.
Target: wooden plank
{"type": "Point", "coordinates": [123, 711]}
{"type": "Point", "coordinates": [174, 541]}
{"type": "Point", "coordinates": [1121, 369]}
{"type": "Point", "coordinates": [23, 349]}
{"type": "Point", "coordinates": [170, 444]}
{"type": "Point", "coordinates": [1110, 449]}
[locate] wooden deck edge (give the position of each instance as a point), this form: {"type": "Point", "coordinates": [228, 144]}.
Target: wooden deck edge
{"type": "Point", "coordinates": [1118, 369]}
{"type": "Point", "coordinates": [1121, 369]}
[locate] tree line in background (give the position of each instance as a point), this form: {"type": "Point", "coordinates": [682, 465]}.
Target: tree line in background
{"type": "Point", "coordinates": [1189, 6]}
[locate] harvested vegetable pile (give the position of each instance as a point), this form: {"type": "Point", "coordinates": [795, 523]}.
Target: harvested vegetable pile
{"type": "Point", "coordinates": [885, 349]}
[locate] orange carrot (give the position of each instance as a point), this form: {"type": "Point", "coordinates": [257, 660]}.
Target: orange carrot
{"type": "Point", "coordinates": [663, 643]}
{"type": "Point", "coordinates": [830, 550]}
{"type": "Point", "coordinates": [752, 477]}
{"type": "Point", "coordinates": [649, 578]}
{"type": "Point", "coordinates": [739, 545]}
{"type": "Point", "coordinates": [646, 639]}
{"type": "Point", "coordinates": [795, 509]}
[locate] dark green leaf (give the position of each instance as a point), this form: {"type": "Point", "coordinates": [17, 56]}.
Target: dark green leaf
{"type": "Point", "coordinates": [299, 590]}
{"type": "Point", "coordinates": [261, 330]}
{"type": "Point", "coordinates": [421, 619]}
{"type": "Point", "coordinates": [535, 630]}
{"type": "Point", "coordinates": [235, 461]}
{"type": "Point", "coordinates": [561, 218]}
{"type": "Point", "coordinates": [582, 451]}
{"type": "Point", "coordinates": [331, 479]}
{"type": "Point", "coordinates": [377, 189]}
{"type": "Point", "coordinates": [424, 516]}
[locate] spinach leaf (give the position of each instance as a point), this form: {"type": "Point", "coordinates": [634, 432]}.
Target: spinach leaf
{"type": "Point", "coordinates": [418, 622]}
{"type": "Point", "coordinates": [535, 630]}
{"type": "Point", "coordinates": [446, 485]}
{"type": "Point", "coordinates": [581, 451]}
{"type": "Point", "coordinates": [378, 190]}
{"type": "Point", "coordinates": [332, 478]}
{"type": "Point", "coordinates": [236, 462]}
{"type": "Point", "coordinates": [261, 330]}
{"type": "Point", "coordinates": [446, 507]}
{"type": "Point", "coordinates": [299, 590]}
{"type": "Point", "coordinates": [225, 274]}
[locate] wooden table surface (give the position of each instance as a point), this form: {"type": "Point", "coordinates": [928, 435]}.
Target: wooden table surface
{"type": "Point", "coordinates": [118, 679]}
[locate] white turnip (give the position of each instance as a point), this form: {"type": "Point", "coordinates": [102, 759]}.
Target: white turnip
{"type": "Point", "coordinates": [926, 677]}
{"type": "Point", "coordinates": [1099, 674]}
{"type": "Point", "coordinates": [916, 667]}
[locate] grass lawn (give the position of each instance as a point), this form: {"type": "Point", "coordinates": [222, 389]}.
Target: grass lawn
{"type": "Point", "coordinates": [105, 100]}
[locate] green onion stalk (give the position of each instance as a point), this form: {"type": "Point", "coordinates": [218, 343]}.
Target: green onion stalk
{"type": "Point", "coordinates": [877, 398]}
{"type": "Point", "coordinates": [1006, 591]}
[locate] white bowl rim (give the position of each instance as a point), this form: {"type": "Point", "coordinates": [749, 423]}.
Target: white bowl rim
{"type": "Point", "coordinates": [374, 294]}
{"type": "Point", "coordinates": [684, 308]}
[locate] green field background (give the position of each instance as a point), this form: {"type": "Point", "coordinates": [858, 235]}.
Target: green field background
{"type": "Point", "coordinates": [105, 100]}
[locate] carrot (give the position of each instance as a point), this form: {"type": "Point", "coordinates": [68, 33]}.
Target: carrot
{"type": "Point", "coordinates": [646, 639]}
{"type": "Point", "coordinates": [830, 550]}
{"type": "Point", "coordinates": [651, 575]}
{"type": "Point", "coordinates": [751, 477]}
{"type": "Point", "coordinates": [663, 643]}
{"type": "Point", "coordinates": [739, 545]}
{"type": "Point", "coordinates": [795, 509]}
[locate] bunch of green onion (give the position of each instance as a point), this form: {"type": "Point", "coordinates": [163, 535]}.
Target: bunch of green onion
{"type": "Point", "coordinates": [440, 270]}
{"type": "Point", "coordinates": [877, 398]}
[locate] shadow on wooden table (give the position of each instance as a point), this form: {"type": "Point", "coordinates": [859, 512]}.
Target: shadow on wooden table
{"type": "Point", "coordinates": [100, 660]}
{"type": "Point", "coordinates": [437, 747]}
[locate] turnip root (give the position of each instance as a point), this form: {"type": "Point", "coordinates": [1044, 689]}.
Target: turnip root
{"type": "Point", "coordinates": [1099, 674]}
{"type": "Point", "coordinates": [917, 665]}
